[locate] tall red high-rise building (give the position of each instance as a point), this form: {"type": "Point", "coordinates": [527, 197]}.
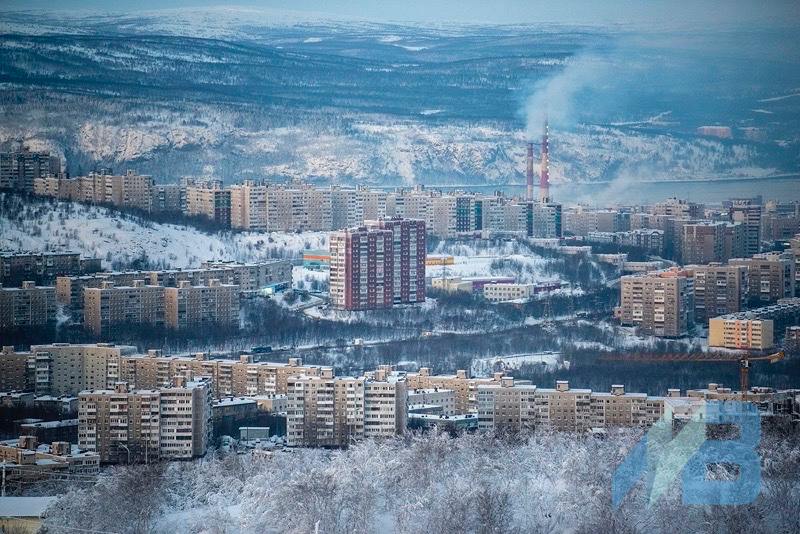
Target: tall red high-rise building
{"type": "Point", "coordinates": [378, 265]}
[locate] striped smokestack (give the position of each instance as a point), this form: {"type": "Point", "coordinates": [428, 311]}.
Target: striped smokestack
{"type": "Point", "coordinates": [544, 178]}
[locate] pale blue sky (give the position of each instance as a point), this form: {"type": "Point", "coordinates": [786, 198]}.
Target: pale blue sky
{"type": "Point", "coordinates": [719, 13]}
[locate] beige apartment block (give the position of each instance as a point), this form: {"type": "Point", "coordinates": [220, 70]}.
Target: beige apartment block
{"type": "Point", "coordinates": [124, 424]}
{"type": "Point", "coordinates": [659, 303]}
{"type": "Point", "coordinates": [328, 411]}
{"type": "Point", "coordinates": [66, 369]}
{"type": "Point", "coordinates": [749, 214]}
{"type": "Point", "coordinates": [466, 389]}
{"type": "Point", "coordinates": [373, 204]}
{"type": "Point", "coordinates": [718, 289]}
{"type": "Point", "coordinates": [249, 206]}
{"type": "Point", "coordinates": [508, 406]}
{"type": "Point", "coordinates": [772, 275]}
{"type": "Point", "coordinates": [209, 201]}
{"type": "Point", "coordinates": [188, 306]}
{"type": "Point", "coordinates": [110, 306]}
{"type": "Point", "coordinates": [130, 190]}
{"type": "Point", "coordinates": [507, 292]}
{"type": "Point", "coordinates": [347, 209]}
{"type": "Point", "coordinates": [14, 365]}
{"type": "Point", "coordinates": [739, 331]}
{"type": "Point", "coordinates": [26, 306]}
{"type": "Point", "coordinates": [298, 209]}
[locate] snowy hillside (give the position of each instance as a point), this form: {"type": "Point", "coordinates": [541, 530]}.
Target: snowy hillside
{"type": "Point", "coordinates": [240, 93]}
{"type": "Point", "coordinates": [101, 233]}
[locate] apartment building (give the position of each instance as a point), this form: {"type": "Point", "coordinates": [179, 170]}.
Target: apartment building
{"type": "Point", "coordinates": [168, 198]}
{"type": "Point", "coordinates": [19, 169]}
{"type": "Point", "coordinates": [328, 411]}
{"type": "Point", "coordinates": [347, 208]}
{"type": "Point", "coordinates": [442, 216]}
{"type": "Point", "coordinates": [210, 201]}
{"type": "Point", "coordinates": [658, 303]}
{"type": "Point", "coordinates": [188, 306]}
{"type": "Point", "coordinates": [385, 403]}
{"type": "Point", "coordinates": [547, 220]}
{"type": "Point", "coordinates": [678, 208]}
{"type": "Point", "coordinates": [27, 306]}
{"type": "Point", "coordinates": [645, 238]}
{"type": "Point", "coordinates": [130, 190]}
{"type": "Point", "coordinates": [14, 365]}
{"type": "Point", "coordinates": [243, 377]}
{"type": "Point", "coordinates": [249, 206]}
{"type": "Point", "coordinates": [124, 425]}
{"type": "Point", "coordinates": [110, 306]}
{"type": "Point", "coordinates": [741, 331]}
{"type": "Point", "coordinates": [26, 458]}
{"type": "Point", "coordinates": [507, 292]}
{"type": "Point", "coordinates": [60, 368]}
{"type": "Point", "coordinates": [443, 401]}
{"type": "Point", "coordinates": [378, 265]}
{"type": "Point", "coordinates": [772, 276]}
{"type": "Point", "coordinates": [748, 213]}
{"type": "Point", "coordinates": [581, 220]}
{"type": "Point", "coordinates": [703, 242]}
{"type": "Point", "coordinates": [373, 204]}
{"type": "Point", "coordinates": [304, 208]}
{"type": "Point", "coordinates": [755, 328]}
{"type": "Point", "coordinates": [252, 277]}
{"type": "Point", "coordinates": [464, 387]}
{"type": "Point", "coordinates": [42, 267]}
{"type": "Point", "coordinates": [362, 269]}
{"type": "Point", "coordinates": [718, 289]}
{"type": "Point", "coordinates": [408, 258]}
{"type": "Point", "coordinates": [508, 406]}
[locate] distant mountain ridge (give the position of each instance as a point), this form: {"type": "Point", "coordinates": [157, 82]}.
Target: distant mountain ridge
{"type": "Point", "coordinates": [233, 94]}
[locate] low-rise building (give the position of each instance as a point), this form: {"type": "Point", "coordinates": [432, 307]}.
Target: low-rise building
{"type": "Point", "coordinates": [507, 292]}
{"type": "Point", "coordinates": [26, 458]}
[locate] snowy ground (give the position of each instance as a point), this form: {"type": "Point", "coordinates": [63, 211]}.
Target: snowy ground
{"type": "Point", "coordinates": [101, 233]}
{"type": "Point", "coordinates": [484, 367]}
{"type": "Point", "coordinates": [481, 258]}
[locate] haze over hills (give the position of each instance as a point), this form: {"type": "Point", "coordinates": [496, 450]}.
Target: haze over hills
{"type": "Point", "coordinates": [242, 93]}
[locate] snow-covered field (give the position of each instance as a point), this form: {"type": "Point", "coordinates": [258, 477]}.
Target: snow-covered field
{"type": "Point", "coordinates": [508, 258]}
{"type": "Point", "coordinates": [486, 366]}
{"type": "Point", "coordinates": [101, 233]}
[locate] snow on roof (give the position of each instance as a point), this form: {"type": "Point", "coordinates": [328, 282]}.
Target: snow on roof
{"type": "Point", "coordinates": [24, 506]}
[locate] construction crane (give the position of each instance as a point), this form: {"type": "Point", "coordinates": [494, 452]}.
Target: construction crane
{"type": "Point", "coordinates": [703, 357]}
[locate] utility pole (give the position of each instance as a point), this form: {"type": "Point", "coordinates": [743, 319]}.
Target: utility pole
{"type": "Point", "coordinates": [3, 494]}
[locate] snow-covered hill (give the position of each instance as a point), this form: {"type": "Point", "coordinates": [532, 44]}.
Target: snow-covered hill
{"type": "Point", "coordinates": [241, 93]}
{"type": "Point", "coordinates": [119, 240]}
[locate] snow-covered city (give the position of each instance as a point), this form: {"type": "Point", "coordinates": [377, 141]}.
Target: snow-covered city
{"type": "Point", "coordinates": [338, 267]}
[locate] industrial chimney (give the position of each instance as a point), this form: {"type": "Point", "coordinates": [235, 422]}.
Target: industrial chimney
{"type": "Point", "coordinates": [544, 178]}
{"type": "Point", "coordinates": [529, 173]}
